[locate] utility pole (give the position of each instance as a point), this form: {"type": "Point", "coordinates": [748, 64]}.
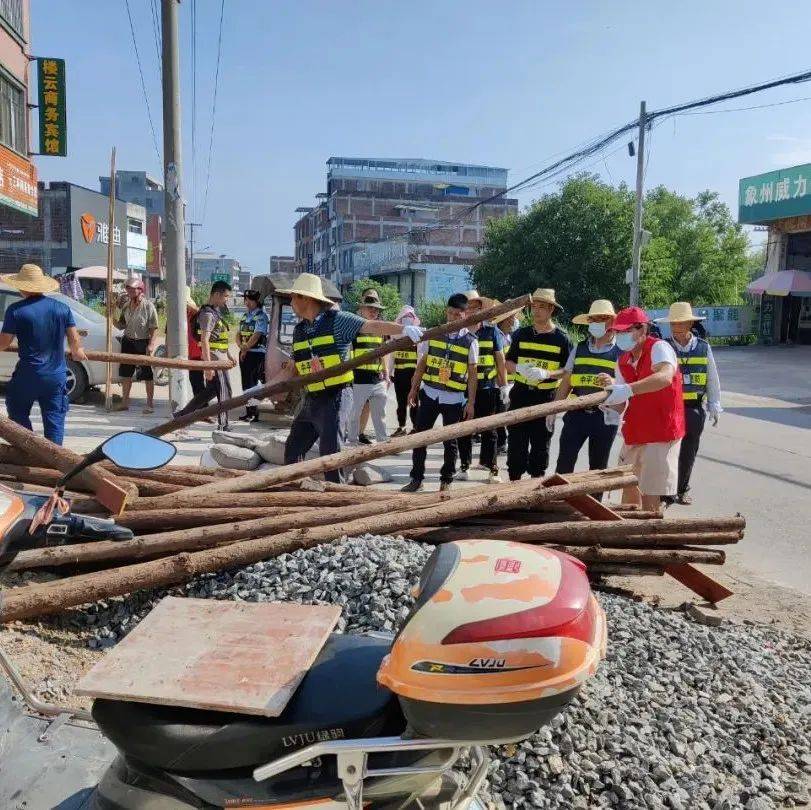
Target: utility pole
{"type": "Point", "coordinates": [636, 258]}
{"type": "Point", "coordinates": [176, 342]}
{"type": "Point", "coordinates": [192, 226]}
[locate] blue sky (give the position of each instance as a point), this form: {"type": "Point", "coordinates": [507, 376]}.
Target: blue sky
{"type": "Point", "coordinates": [509, 84]}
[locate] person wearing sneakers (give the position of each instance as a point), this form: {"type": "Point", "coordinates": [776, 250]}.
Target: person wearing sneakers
{"type": "Point", "coordinates": [371, 379]}
{"type": "Point", "coordinates": [41, 324]}
{"type": "Point", "coordinates": [491, 388]}
{"type": "Point", "coordinates": [253, 339]}
{"type": "Point", "coordinates": [536, 357]}
{"type": "Point", "coordinates": [139, 320]}
{"type": "Point", "coordinates": [405, 364]}
{"type": "Point", "coordinates": [323, 338]}
{"type": "Point", "coordinates": [647, 389]}
{"type": "Point", "coordinates": [595, 355]}
{"type": "Point", "coordinates": [701, 387]}
{"type": "Point", "coordinates": [444, 385]}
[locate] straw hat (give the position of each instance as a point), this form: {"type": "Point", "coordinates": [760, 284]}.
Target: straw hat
{"type": "Point", "coordinates": [506, 316]}
{"type": "Point", "coordinates": [371, 299]}
{"type": "Point", "coordinates": [31, 279]}
{"type": "Point", "coordinates": [308, 285]}
{"type": "Point", "coordinates": [547, 296]}
{"type": "Point", "coordinates": [680, 312]}
{"type": "Point", "coordinates": [472, 295]}
{"type": "Point", "coordinates": [599, 307]}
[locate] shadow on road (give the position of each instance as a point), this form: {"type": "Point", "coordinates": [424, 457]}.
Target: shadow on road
{"type": "Point", "coordinates": [793, 417]}
{"type": "Point", "coordinates": [784, 478]}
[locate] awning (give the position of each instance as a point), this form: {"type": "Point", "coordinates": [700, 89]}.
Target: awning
{"type": "Point", "coordinates": [785, 282]}
{"type": "Point", "coordinates": [99, 273]}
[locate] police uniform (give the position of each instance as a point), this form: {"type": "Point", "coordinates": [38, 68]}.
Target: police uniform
{"type": "Point", "coordinates": [528, 442]}
{"type": "Point", "coordinates": [587, 362]}
{"type": "Point", "coordinates": [368, 387]}
{"type": "Point", "coordinates": [444, 392]}
{"type": "Point", "coordinates": [405, 364]}
{"type": "Point", "coordinates": [252, 365]}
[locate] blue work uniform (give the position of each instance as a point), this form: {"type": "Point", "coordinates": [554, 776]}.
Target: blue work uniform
{"type": "Point", "coordinates": [39, 323]}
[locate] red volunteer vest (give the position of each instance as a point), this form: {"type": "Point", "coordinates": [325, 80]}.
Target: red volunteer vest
{"type": "Point", "coordinates": [195, 352]}
{"type": "Point", "coordinates": [654, 417]}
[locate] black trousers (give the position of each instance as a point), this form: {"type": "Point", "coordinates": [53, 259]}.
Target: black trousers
{"type": "Point", "coordinates": [402, 385]}
{"type": "Point", "coordinates": [219, 387]}
{"type": "Point", "coordinates": [501, 432]}
{"type": "Point", "coordinates": [578, 428]}
{"type": "Point", "coordinates": [252, 371]}
{"type": "Point", "coordinates": [694, 419]}
{"type": "Point", "coordinates": [324, 417]}
{"type": "Point", "coordinates": [197, 383]}
{"type": "Point", "coordinates": [528, 442]}
{"type": "Point", "coordinates": [427, 413]}
{"type": "Point", "coordinates": [486, 404]}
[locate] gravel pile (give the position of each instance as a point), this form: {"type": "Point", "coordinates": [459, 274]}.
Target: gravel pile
{"type": "Point", "coordinates": [679, 716]}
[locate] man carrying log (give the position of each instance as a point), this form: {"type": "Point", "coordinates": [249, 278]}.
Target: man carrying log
{"type": "Point", "coordinates": [321, 339]}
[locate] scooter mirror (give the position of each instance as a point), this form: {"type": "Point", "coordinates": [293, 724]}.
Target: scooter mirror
{"type": "Point", "coordinates": [137, 451]}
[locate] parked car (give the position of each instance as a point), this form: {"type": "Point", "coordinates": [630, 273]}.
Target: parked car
{"type": "Point", "coordinates": [93, 329]}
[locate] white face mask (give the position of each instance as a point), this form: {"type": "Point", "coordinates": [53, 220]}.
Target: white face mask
{"type": "Point", "coordinates": [597, 330]}
{"type": "Point", "coordinates": [625, 341]}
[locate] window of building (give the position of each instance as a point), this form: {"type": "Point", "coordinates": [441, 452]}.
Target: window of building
{"type": "Point", "coordinates": [12, 115]}
{"type": "Point", "coordinates": [135, 225]}
{"type": "Point", "coordinates": [12, 13]}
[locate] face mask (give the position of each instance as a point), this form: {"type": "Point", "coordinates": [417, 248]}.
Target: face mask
{"type": "Point", "coordinates": [625, 341]}
{"type": "Point", "coordinates": [597, 330]}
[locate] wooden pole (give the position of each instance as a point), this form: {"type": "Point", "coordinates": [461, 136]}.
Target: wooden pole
{"type": "Point", "coordinates": [356, 455]}
{"type": "Point", "coordinates": [108, 381]}
{"type": "Point", "coordinates": [659, 556]}
{"type": "Point", "coordinates": [152, 360]}
{"type": "Point", "coordinates": [393, 345]}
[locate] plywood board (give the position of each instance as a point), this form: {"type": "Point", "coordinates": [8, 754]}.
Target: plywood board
{"type": "Point", "coordinates": [245, 657]}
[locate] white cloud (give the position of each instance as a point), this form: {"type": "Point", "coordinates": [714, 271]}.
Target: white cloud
{"type": "Point", "coordinates": [792, 152]}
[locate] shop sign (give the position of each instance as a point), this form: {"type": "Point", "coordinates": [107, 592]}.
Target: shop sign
{"type": "Point", "coordinates": [18, 182]}
{"type": "Point", "coordinates": [775, 195]}
{"type": "Point", "coordinates": [98, 230]}
{"type": "Point", "coordinates": [226, 277]}
{"type": "Point", "coordinates": [53, 132]}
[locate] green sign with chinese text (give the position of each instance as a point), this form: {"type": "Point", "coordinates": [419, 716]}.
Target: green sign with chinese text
{"type": "Point", "coordinates": [775, 195]}
{"type": "Point", "coordinates": [53, 133]}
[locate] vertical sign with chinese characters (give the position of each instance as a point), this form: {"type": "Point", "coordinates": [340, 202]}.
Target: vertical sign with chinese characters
{"type": "Point", "coordinates": [53, 133]}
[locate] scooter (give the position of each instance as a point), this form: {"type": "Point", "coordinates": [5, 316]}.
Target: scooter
{"type": "Point", "coordinates": [31, 520]}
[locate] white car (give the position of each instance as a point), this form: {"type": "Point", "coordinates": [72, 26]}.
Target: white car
{"type": "Point", "coordinates": [93, 329]}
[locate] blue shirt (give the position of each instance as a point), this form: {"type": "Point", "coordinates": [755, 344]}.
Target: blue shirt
{"type": "Point", "coordinates": [257, 321]}
{"type": "Point", "coordinates": [346, 327]}
{"type": "Point", "coordinates": [39, 324]}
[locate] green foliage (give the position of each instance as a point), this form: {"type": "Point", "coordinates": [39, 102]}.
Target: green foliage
{"type": "Point", "coordinates": [577, 240]}
{"type": "Point", "coordinates": [389, 297]}
{"type": "Point", "coordinates": [431, 313]}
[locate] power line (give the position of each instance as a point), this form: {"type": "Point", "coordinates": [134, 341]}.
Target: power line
{"type": "Point", "coordinates": [156, 30]}
{"type": "Point", "coordinates": [213, 112]}
{"type": "Point", "coordinates": [742, 109]}
{"type": "Point", "coordinates": [143, 85]}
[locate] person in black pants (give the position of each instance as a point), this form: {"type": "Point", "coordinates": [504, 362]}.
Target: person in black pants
{"type": "Point", "coordinates": [536, 357]}
{"type": "Point", "coordinates": [598, 354]}
{"type": "Point", "coordinates": [253, 334]}
{"type": "Point", "coordinates": [405, 364]}
{"type": "Point", "coordinates": [507, 324]}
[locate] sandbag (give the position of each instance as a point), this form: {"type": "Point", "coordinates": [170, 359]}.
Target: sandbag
{"type": "Point", "coordinates": [272, 450]}
{"type": "Point", "coordinates": [365, 475]}
{"type": "Point", "coordinates": [236, 439]}
{"type": "Point", "coordinates": [235, 458]}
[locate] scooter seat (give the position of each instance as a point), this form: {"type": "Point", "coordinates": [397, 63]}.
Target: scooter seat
{"type": "Point", "coordinates": [338, 699]}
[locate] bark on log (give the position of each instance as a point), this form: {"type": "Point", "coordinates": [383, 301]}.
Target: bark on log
{"type": "Point", "coordinates": [393, 345]}
{"type": "Point", "coordinates": [618, 570]}
{"type": "Point", "coordinates": [357, 455]}
{"type": "Point", "coordinates": [661, 556]}
{"type": "Point", "coordinates": [29, 601]}
{"type": "Point", "coordinates": [161, 520]}
{"type": "Point", "coordinates": [149, 360]}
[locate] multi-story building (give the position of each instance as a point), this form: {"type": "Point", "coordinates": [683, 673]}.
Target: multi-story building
{"type": "Point", "coordinates": [409, 222]}
{"type": "Point", "coordinates": [18, 176]}
{"type": "Point", "coordinates": [282, 264]}
{"type": "Point", "coordinates": [210, 267]}
{"type": "Point", "coordinates": [136, 187]}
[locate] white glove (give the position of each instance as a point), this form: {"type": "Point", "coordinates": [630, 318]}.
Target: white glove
{"type": "Point", "coordinates": [619, 393]}
{"type": "Point", "coordinates": [504, 393]}
{"type": "Point", "coordinates": [550, 422]}
{"type": "Point", "coordinates": [532, 373]}
{"type": "Point", "coordinates": [714, 412]}
{"type": "Point", "coordinates": [413, 333]}
{"type": "Point", "coordinates": [610, 416]}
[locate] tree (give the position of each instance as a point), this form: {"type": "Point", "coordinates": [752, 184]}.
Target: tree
{"type": "Point", "coordinates": [389, 297]}
{"type": "Point", "coordinates": [431, 313]}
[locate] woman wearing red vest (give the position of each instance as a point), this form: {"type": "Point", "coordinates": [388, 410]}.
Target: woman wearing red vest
{"type": "Point", "coordinates": [653, 418]}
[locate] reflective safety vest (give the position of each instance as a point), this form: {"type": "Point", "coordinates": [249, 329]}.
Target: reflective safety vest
{"type": "Point", "coordinates": [369, 373]}
{"type": "Point", "coordinates": [219, 337]}
{"type": "Point", "coordinates": [588, 364]}
{"type": "Point", "coordinates": [247, 327]}
{"type": "Point", "coordinates": [542, 355]}
{"type": "Point", "coordinates": [486, 370]}
{"type": "Point", "coordinates": [693, 367]}
{"type": "Point", "coordinates": [405, 359]}
{"type": "Point", "coordinates": [447, 362]}
{"type": "Point", "coordinates": [319, 351]}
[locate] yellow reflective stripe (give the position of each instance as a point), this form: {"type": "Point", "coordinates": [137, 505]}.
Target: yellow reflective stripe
{"type": "Point", "coordinates": [405, 355]}
{"type": "Point", "coordinates": [539, 362]}
{"type": "Point", "coordinates": [691, 395]}
{"type": "Point", "coordinates": [323, 340]}
{"type": "Point", "coordinates": [305, 367]}
{"type": "Point", "coordinates": [538, 347]}
{"type": "Point", "coordinates": [368, 339]}
{"type": "Point", "coordinates": [449, 383]}
{"type": "Point", "coordinates": [693, 361]}
{"type": "Point", "coordinates": [584, 381]}
{"type": "Point", "coordinates": [593, 361]}
{"type": "Point", "coordinates": [456, 367]}
{"type": "Point", "coordinates": [438, 344]}
{"type": "Point", "coordinates": [487, 359]}
{"type": "Point", "coordinates": [698, 378]}
{"type": "Point", "coordinates": [485, 344]}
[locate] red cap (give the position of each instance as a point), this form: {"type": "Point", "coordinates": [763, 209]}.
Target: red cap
{"type": "Point", "coordinates": [628, 317]}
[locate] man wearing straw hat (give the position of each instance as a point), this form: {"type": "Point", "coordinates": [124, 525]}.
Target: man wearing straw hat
{"type": "Point", "coordinates": [597, 354]}
{"type": "Point", "coordinates": [536, 357]}
{"type": "Point", "coordinates": [41, 325]}
{"type": "Point", "coordinates": [321, 339]}
{"type": "Point", "coordinates": [700, 384]}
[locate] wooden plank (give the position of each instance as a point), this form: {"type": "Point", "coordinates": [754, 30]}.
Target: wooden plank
{"type": "Point", "coordinates": [689, 576]}
{"type": "Point", "coordinates": [245, 657]}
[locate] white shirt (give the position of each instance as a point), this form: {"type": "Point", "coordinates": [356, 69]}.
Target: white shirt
{"type": "Point", "coordinates": [453, 397]}
{"type": "Point", "coordinates": [662, 352]}
{"type": "Point", "coordinates": [713, 380]}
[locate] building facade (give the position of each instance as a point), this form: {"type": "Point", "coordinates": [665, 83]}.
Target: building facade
{"type": "Point", "coordinates": [282, 264]}
{"type": "Point", "coordinates": [781, 202]}
{"type": "Point", "coordinates": [210, 267]}
{"type": "Point", "coordinates": [18, 176]}
{"type": "Point", "coordinates": [409, 222]}
{"type": "Point", "coordinates": [136, 187]}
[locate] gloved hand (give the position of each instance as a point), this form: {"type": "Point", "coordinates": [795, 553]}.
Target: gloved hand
{"type": "Point", "coordinates": [504, 393]}
{"type": "Point", "coordinates": [618, 393]}
{"type": "Point", "coordinates": [413, 333]}
{"type": "Point", "coordinates": [610, 416]}
{"type": "Point", "coordinates": [550, 422]}
{"type": "Point", "coordinates": [532, 373]}
{"type": "Point", "coordinates": [714, 412]}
